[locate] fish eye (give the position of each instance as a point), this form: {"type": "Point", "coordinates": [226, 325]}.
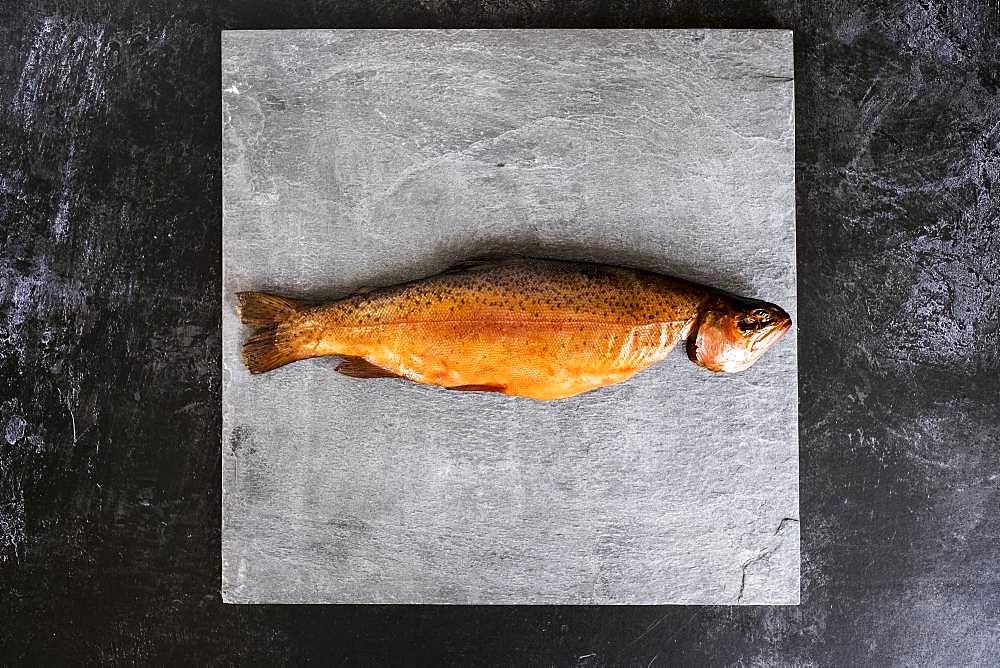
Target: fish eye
{"type": "Point", "coordinates": [747, 325]}
{"type": "Point", "coordinates": [760, 314]}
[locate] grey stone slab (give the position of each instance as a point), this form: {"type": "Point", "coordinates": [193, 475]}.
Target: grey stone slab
{"type": "Point", "coordinates": [355, 158]}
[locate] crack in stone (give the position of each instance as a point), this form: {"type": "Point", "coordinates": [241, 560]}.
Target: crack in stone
{"type": "Point", "coordinates": [761, 556]}
{"type": "Point", "coordinates": [781, 524]}
{"type": "Point", "coordinates": [743, 576]}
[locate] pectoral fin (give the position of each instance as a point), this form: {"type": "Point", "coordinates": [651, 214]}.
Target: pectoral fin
{"type": "Point", "coordinates": [359, 367]}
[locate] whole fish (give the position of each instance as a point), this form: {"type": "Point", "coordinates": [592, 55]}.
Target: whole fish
{"type": "Point", "coordinates": [545, 329]}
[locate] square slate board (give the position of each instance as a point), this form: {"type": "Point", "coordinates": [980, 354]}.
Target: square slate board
{"type": "Point", "coordinates": [358, 158]}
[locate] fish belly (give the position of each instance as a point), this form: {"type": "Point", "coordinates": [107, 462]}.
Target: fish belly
{"type": "Point", "coordinates": [528, 358]}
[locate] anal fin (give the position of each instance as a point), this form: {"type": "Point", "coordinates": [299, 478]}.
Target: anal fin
{"type": "Point", "coordinates": [359, 367]}
{"type": "Point", "coordinates": [478, 388]}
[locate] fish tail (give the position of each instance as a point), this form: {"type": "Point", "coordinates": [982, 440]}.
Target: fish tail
{"type": "Point", "coordinates": [274, 344]}
{"type": "Point", "coordinates": [260, 309]}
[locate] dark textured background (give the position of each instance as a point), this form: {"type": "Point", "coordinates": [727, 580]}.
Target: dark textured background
{"type": "Point", "coordinates": [109, 347]}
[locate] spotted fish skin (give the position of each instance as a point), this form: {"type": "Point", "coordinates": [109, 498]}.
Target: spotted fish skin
{"type": "Point", "coordinates": [544, 329]}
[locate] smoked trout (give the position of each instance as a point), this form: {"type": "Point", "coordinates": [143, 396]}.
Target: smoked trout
{"type": "Point", "coordinates": [544, 329]}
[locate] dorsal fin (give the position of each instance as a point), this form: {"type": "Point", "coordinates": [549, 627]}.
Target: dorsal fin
{"type": "Point", "coordinates": [481, 262]}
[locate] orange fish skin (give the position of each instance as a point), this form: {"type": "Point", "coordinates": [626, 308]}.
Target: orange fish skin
{"type": "Point", "coordinates": [543, 329]}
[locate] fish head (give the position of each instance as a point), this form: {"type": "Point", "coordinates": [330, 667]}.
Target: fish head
{"type": "Point", "coordinates": [731, 333]}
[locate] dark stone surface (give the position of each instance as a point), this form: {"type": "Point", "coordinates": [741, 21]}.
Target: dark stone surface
{"type": "Point", "coordinates": [109, 348]}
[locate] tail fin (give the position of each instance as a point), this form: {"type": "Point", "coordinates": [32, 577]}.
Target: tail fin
{"type": "Point", "coordinates": [267, 350]}
{"type": "Point", "coordinates": [260, 309]}
{"type": "Point", "coordinates": [272, 345]}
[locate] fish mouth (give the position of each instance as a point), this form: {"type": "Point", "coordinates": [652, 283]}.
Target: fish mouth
{"type": "Point", "coordinates": [771, 337]}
